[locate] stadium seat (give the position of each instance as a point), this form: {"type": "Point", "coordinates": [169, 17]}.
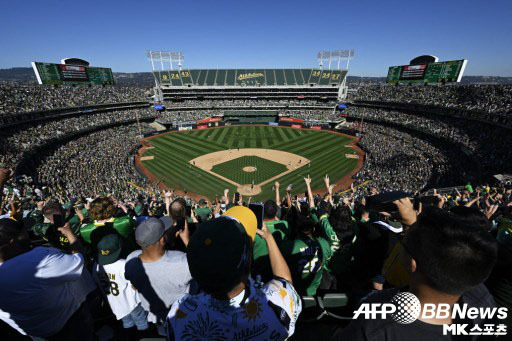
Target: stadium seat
{"type": "Point", "coordinates": [316, 307]}
{"type": "Point", "coordinates": [335, 300]}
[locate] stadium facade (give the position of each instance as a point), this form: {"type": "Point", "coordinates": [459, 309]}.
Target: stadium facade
{"type": "Point", "coordinates": [250, 84]}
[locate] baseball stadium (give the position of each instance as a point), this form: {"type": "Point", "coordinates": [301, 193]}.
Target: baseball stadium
{"type": "Point", "coordinates": [210, 198]}
{"type": "Point", "coordinates": [247, 151]}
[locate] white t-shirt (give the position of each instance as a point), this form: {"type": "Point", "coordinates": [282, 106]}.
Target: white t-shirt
{"type": "Point", "coordinates": [159, 283]}
{"type": "Point", "coordinates": [120, 294]}
{"type": "Point", "coordinates": [41, 289]}
{"type": "Point", "coordinates": [260, 312]}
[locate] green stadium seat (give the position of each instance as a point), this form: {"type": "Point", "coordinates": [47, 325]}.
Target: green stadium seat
{"type": "Point", "coordinates": [334, 300]}
{"type": "Point", "coordinates": [221, 77]}
{"type": "Point", "coordinates": [306, 73]}
{"type": "Point", "coordinates": [230, 77]}
{"type": "Point", "coordinates": [202, 77]}
{"type": "Point", "coordinates": [335, 77]}
{"type": "Point", "coordinates": [315, 76]}
{"type": "Point", "coordinates": [280, 80]}
{"type": "Point", "coordinates": [325, 78]}
{"type": "Point", "coordinates": [299, 77]}
{"type": "Point", "coordinates": [185, 77]}
{"type": "Point", "coordinates": [210, 77]}
{"type": "Point", "coordinates": [195, 76]}
{"type": "Point", "coordinates": [290, 77]}
{"type": "Point", "coordinates": [250, 77]}
{"type": "Point", "coordinates": [270, 76]}
{"type": "Point", "coordinates": [308, 302]}
{"type": "Point", "coordinates": [237, 74]}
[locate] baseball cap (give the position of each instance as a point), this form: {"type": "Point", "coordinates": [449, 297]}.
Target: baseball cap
{"type": "Point", "coordinates": [202, 202]}
{"type": "Point", "coordinates": [218, 254]}
{"type": "Point", "coordinates": [245, 217]}
{"type": "Point", "coordinates": [109, 249]}
{"type": "Point", "coordinates": [151, 230]}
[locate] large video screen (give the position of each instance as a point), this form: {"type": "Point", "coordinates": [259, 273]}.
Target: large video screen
{"type": "Point", "coordinates": [48, 73]}
{"type": "Point", "coordinates": [449, 71]}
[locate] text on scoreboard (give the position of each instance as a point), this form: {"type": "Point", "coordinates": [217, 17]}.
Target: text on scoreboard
{"type": "Point", "coordinates": [49, 73]}
{"type": "Point", "coordinates": [449, 71]}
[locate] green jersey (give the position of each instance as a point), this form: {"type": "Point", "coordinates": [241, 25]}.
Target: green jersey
{"type": "Point", "coordinates": [41, 227]}
{"type": "Point", "coordinates": [123, 225]}
{"type": "Point", "coordinates": [307, 258]}
{"type": "Point", "coordinates": [203, 212]}
{"type": "Point", "coordinates": [261, 265]}
{"type": "Point", "coordinates": [339, 263]}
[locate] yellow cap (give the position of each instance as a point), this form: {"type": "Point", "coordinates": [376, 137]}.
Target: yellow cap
{"type": "Point", "coordinates": [246, 217]}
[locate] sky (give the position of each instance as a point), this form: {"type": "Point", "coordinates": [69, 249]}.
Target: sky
{"type": "Point", "coordinates": [258, 34]}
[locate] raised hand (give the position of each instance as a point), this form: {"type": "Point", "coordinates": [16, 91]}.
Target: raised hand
{"type": "Point", "coordinates": [326, 181]}
{"type": "Point", "coordinates": [308, 180]}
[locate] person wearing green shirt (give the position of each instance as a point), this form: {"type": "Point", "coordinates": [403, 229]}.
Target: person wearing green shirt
{"type": "Point", "coordinates": [203, 212]}
{"type": "Point", "coordinates": [278, 229]}
{"type": "Point", "coordinates": [339, 229]}
{"type": "Point", "coordinates": [102, 211]}
{"type": "Point", "coordinates": [307, 254]}
{"type": "Point", "coordinates": [43, 218]}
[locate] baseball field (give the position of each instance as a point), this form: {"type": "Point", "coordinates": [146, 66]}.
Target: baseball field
{"type": "Point", "coordinates": [247, 159]}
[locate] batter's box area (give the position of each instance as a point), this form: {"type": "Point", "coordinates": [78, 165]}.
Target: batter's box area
{"type": "Point", "coordinates": [249, 169]}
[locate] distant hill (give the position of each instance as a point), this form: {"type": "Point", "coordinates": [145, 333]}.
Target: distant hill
{"type": "Point", "coordinates": [26, 74]}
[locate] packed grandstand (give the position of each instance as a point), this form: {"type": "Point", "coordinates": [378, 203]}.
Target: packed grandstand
{"type": "Point", "coordinates": [69, 151]}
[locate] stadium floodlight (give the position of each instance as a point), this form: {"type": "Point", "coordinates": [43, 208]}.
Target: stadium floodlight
{"type": "Point", "coordinates": [334, 56]}
{"type": "Point", "coordinates": [165, 56]}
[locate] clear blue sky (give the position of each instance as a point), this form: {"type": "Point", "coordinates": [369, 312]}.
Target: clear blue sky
{"type": "Point", "coordinates": [258, 33]}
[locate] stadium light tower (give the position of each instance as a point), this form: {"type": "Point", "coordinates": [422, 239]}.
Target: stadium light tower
{"type": "Point", "coordinates": [165, 56]}
{"type": "Point", "coordinates": [334, 56]}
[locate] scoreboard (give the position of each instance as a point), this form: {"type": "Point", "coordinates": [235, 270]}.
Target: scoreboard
{"type": "Point", "coordinates": [48, 73]}
{"type": "Point", "coordinates": [449, 71]}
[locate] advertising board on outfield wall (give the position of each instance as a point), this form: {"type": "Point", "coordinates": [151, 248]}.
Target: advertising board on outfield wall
{"type": "Point", "coordinates": [209, 120]}
{"type": "Point", "coordinates": [297, 126]}
{"type": "Point", "coordinates": [290, 119]}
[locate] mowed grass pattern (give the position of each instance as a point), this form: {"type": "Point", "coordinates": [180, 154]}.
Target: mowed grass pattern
{"type": "Point", "coordinates": [173, 151]}
{"type": "Point", "coordinates": [233, 169]}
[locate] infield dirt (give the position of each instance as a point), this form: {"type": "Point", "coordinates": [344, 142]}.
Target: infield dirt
{"type": "Point", "coordinates": [290, 160]}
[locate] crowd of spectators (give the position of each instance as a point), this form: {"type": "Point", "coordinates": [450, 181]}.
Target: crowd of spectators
{"type": "Point", "coordinates": [247, 103]}
{"type": "Point", "coordinates": [21, 98]}
{"type": "Point", "coordinates": [145, 267]}
{"type": "Point", "coordinates": [488, 145]}
{"type": "Point", "coordinates": [84, 252]}
{"type": "Point", "coordinates": [97, 163]}
{"type": "Point", "coordinates": [495, 99]}
{"type": "Point", "coordinates": [200, 114]}
{"type": "Point", "coordinates": [22, 138]}
{"type": "Point", "coordinates": [397, 160]}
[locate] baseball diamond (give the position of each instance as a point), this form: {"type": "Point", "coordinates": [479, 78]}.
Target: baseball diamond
{"type": "Point", "coordinates": [207, 161]}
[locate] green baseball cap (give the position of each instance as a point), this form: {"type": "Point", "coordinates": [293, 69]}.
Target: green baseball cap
{"type": "Point", "coordinates": [109, 249]}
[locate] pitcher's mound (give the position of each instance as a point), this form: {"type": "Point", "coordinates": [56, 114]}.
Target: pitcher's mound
{"type": "Point", "coordinates": [249, 169]}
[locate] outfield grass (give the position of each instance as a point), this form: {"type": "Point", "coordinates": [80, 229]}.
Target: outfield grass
{"type": "Point", "coordinates": [173, 151]}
